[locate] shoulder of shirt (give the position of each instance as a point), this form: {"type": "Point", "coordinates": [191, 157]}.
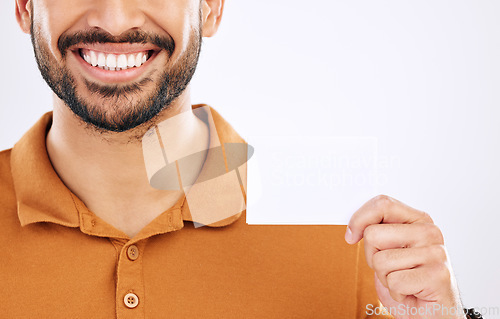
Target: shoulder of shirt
{"type": "Point", "coordinates": [5, 165]}
{"type": "Point", "coordinates": [8, 209]}
{"type": "Point", "coordinates": [226, 132]}
{"type": "Point", "coordinates": [5, 151]}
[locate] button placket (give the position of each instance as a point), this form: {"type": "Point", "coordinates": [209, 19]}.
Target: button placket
{"type": "Point", "coordinates": [130, 285]}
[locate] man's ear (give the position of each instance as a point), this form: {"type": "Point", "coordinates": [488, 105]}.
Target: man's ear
{"type": "Point", "coordinates": [23, 14]}
{"type": "Point", "coordinates": [212, 14]}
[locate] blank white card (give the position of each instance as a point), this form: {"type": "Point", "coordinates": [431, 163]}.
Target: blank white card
{"type": "Point", "coordinates": [299, 180]}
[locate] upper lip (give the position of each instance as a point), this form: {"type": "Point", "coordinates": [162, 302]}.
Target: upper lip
{"type": "Point", "coordinates": [117, 48]}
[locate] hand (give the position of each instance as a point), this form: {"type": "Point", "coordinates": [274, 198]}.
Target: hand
{"type": "Point", "coordinates": [406, 250]}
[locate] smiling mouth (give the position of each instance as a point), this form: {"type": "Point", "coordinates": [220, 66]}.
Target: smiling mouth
{"type": "Point", "coordinates": [115, 62]}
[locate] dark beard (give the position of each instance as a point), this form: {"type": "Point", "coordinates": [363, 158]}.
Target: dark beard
{"type": "Point", "coordinates": [129, 108]}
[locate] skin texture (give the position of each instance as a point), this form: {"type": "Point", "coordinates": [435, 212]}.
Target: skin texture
{"type": "Point", "coordinates": [84, 156]}
{"type": "Point", "coordinates": [406, 250]}
{"type": "Point", "coordinates": [106, 168]}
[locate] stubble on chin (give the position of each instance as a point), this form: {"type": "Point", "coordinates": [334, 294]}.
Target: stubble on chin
{"type": "Point", "coordinates": [117, 113]}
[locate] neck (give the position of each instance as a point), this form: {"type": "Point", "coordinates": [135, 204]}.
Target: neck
{"type": "Point", "coordinates": [85, 158]}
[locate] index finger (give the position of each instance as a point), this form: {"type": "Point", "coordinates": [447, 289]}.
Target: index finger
{"type": "Point", "coordinates": [382, 209]}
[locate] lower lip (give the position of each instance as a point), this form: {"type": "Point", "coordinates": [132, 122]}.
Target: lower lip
{"type": "Point", "coordinates": [107, 76]}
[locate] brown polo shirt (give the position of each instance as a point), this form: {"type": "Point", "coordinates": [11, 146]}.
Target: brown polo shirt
{"type": "Point", "coordinates": [60, 260]}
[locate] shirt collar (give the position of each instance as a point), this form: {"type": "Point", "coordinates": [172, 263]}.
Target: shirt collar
{"type": "Point", "coordinates": [43, 197]}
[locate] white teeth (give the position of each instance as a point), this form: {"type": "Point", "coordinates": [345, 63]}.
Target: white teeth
{"type": "Point", "coordinates": [111, 61]}
{"type": "Point", "coordinates": [93, 58]}
{"type": "Point", "coordinates": [131, 61]}
{"type": "Point", "coordinates": [101, 60]}
{"type": "Point", "coordinates": [121, 62]}
{"type": "Point", "coordinates": [138, 59]}
{"type": "Point", "coordinates": [114, 62]}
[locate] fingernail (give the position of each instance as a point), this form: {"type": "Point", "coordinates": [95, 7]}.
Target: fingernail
{"type": "Point", "coordinates": [348, 235]}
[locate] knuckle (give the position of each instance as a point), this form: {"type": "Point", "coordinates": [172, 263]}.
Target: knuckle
{"type": "Point", "coordinates": [379, 261]}
{"type": "Point", "coordinates": [383, 201]}
{"type": "Point", "coordinates": [427, 218]}
{"type": "Point", "coordinates": [438, 253]}
{"type": "Point", "coordinates": [382, 279]}
{"type": "Point", "coordinates": [393, 282]}
{"type": "Point", "coordinates": [443, 274]}
{"type": "Point", "coordinates": [433, 233]}
{"type": "Point", "coordinates": [397, 297]}
{"type": "Point", "coordinates": [370, 234]}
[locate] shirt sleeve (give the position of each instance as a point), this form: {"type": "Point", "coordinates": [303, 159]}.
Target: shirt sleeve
{"type": "Point", "coordinates": [367, 298]}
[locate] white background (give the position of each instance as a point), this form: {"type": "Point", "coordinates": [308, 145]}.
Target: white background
{"type": "Point", "coordinates": [422, 76]}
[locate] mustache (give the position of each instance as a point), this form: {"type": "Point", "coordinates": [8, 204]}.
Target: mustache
{"type": "Point", "coordinates": [100, 36]}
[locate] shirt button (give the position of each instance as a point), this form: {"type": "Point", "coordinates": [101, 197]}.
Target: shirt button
{"type": "Point", "coordinates": [132, 252]}
{"type": "Point", "coordinates": [131, 300]}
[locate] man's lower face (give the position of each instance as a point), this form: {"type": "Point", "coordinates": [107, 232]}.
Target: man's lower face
{"type": "Point", "coordinates": [127, 97]}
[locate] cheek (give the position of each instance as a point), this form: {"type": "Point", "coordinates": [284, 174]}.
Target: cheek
{"type": "Point", "coordinates": [54, 17]}
{"type": "Point", "coordinates": [177, 17]}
